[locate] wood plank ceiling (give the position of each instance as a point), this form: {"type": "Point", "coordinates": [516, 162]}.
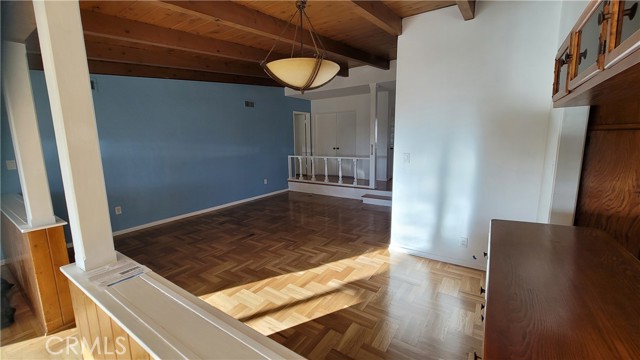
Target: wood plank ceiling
{"type": "Point", "coordinates": [225, 41]}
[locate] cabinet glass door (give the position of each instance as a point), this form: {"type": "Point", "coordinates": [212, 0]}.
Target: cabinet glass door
{"type": "Point", "coordinates": [588, 57]}
{"type": "Point", "coordinates": [627, 32]}
{"type": "Point", "coordinates": [630, 19]}
{"type": "Point", "coordinates": [562, 69]}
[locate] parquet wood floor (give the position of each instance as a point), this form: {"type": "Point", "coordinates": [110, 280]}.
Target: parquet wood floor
{"type": "Point", "coordinates": [314, 273]}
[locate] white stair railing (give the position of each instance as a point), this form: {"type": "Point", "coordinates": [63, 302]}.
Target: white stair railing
{"type": "Point", "coordinates": [334, 171]}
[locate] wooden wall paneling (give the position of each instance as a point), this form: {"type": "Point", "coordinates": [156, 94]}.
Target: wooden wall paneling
{"type": "Point", "coordinates": [45, 289]}
{"type": "Point", "coordinates": [60, 257]}
{"type": "Point", "coordinates": [80, 314]}
{"type": "Point", "coordinates": [34, 259]}
{"type": "Point", "coordinates": [95, 332]}
{"type": "Point", "coordinates": [96, 325]}
{"type": "Point", "coordinates": [128, 355]}
{"type": "Point", "coordinates": [18, 257]}
{"type": "Point", "coordinates": [108, 338]}
{"type": "Point", "coordinates": [609, 197]}
{"type": "Point", "coordinates": [615, 113]}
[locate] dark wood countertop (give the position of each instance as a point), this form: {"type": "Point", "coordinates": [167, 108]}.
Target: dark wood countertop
{"type": "Point", "coordinates": [560, 292]}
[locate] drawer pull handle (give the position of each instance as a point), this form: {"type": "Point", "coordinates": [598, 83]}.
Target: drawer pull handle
{"type": "Point", "coordinates": [582, 56]}
{"type": "Point", "coordinates": [485, 254]}
{"type": "Point", "coordinates": [602, 17]}
{"type": "Point", "coordinates": [630, 12]}
{"type": "Point", "coordinates": [482, 290]}
{"type": "Point", "coordinates": [482, 306]}
{"type": "Point", "coordinates": [476, 356]}
{"type": "Point", "coordinates": [482, 318]}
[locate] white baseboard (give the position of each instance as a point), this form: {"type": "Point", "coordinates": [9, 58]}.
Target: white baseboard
{"type": "Point", "coordinates": [199, 212]}
{"type": "Point", "coordinates": [480, 265]}
{"type": "Point", "coordinates": [348, 192]}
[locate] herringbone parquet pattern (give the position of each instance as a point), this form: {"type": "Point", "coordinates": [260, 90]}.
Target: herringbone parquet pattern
{"type": "Point", "coordinates": [314, 273]}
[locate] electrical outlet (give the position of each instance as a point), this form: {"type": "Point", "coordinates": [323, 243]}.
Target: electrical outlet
{"type": "Point", "coordinates": [118, 210]}
{"type": "Point", "coordinates": [11, 165]}
{"type": "Point", "coordinates": [265, 181]}
{"type": "Point", "coordinates": [464, 241]}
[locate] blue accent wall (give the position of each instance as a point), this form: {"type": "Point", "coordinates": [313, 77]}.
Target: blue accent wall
{"type": "Point", "coordinates": [10, 180]}
{"type": "Point", "coordinates": [171, 147]}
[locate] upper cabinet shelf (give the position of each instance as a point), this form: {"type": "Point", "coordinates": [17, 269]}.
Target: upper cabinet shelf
{"type": "Point", "coordinates": [600, 59]}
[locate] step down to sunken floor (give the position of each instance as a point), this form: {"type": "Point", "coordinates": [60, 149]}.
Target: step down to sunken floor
{"type": "Point", "coordinates": [376, 199]}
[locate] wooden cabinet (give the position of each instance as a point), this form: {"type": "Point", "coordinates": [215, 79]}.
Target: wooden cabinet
{"type": "Point", "coordinates": [561, 71]}
{"type": "Point", "coordinates": [590, 34]}
{"type": "Point", "coordinates": [601, 56]}
{"type": "Point", "coordinates": [609, 195]}
{"type": "Point", "coordinates": [560, 292]}
{"type": "Point", "coordinates": [624, 32]}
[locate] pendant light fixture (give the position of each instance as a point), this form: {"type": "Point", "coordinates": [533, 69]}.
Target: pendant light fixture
{"type": "Point", "coordinates": [301, 72]}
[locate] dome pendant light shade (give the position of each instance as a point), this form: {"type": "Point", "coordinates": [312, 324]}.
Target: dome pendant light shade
{"type": "Point", "coordinates": [303, 72]}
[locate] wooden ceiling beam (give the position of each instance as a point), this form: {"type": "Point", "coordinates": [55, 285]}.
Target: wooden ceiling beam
{"type": "Point", "coordinates": [113, 27]}
{"type": "Point", "coordinates": [123, 69]}
{"type": "Point", "coordinates": [255, 22]}
{"type": "Point", "coordinates": [467, 8]}
{"type": "Point", "coordinates": [156, 56]}
{"type": "Point", "coordinates": [169, 58]}
{"type": "Point", "coordinates": [380, 15]}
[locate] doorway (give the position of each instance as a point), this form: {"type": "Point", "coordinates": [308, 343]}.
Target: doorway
{"type": "Point", "coordinates": [302, 141]}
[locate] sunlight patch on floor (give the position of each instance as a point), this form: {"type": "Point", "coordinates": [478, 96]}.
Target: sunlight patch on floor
{"type": "Point", "coordinates": [275, 304]}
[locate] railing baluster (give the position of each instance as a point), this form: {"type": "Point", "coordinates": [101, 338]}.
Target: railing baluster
{"type": "Point", "coordinates": [300, 162]}
{"type": "Point", "coordinates": [326, 173]}
{"type": "Point", "coordinates": [355, 172]}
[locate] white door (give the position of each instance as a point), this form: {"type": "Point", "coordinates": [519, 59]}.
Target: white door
{"type": "Point", "coordinates": [335, 135]}
{"type": "Point", "coordinates": [302, 141]}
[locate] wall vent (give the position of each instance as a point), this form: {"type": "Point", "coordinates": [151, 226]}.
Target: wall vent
{"type": "Point", "coordinates": [248, 103]}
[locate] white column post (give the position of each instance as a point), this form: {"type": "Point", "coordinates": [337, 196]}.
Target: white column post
{"type": "Point", "coordinates": [23, 123]}
{"type": "Point", "coordinates": [65, 66]}
{"type": "Point", "coordinates": [339, 170]}
{"type": "Point", "coordinates": [373, 124]}
{"type": "Point", "coordinates": [313, 168]}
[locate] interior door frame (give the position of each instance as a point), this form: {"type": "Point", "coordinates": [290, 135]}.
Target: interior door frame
{"type": "Point", "coordinates": [309, 143]}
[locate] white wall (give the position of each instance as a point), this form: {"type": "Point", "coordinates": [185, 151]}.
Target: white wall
{"type": "Point", "coordinates": [472, 112]}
